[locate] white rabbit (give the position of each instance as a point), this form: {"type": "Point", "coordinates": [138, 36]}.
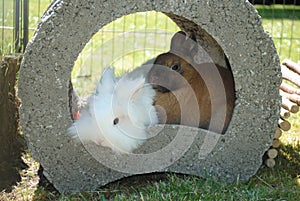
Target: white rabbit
{"type": "Point", "coordinates": [117, 115]}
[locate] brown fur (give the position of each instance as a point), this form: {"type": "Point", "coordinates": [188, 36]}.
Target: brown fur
{"type": "Point", "coordinates": [206, 88]}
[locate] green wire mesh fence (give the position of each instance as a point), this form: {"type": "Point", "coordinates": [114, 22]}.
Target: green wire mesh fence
{"type": "Point", "coordinates": [134, 39]}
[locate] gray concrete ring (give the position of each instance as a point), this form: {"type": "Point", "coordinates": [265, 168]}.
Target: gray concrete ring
{"type": "Point", "coordinates": [68, 25]}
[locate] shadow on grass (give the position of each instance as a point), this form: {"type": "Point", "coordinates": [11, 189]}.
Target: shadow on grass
{"type": "Point", "coordinates": [289, 159]}
{"type": "Point", "coordinates": [286, 171]}
{"type": "Point", "coordinates": [127, 186]}
{"type": "Point", "coordinates": [12, 144]}
{"type": "Point", "coordinates": [277, 183]}
{"type": "Point", "coordinates": [10, 166]}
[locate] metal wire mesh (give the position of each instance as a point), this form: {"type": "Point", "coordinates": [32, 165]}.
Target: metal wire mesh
{"type": "Point", "coordinates": [282, 20]}
{"type": "Point", "coordinates": [18, 20]}
{"type": "Point", "coordinates": [124, 44]}
{"type": "Point", "coordinates": [13, 23]}
{"type": "Point", "coordinates": [8, 16]}
{"type": "Point", "coordinates": [134, 39]}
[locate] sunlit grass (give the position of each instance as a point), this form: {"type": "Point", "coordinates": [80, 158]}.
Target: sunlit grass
{"type": "Point", "coordinates": [7, 34]}
{"type": "Point", "coordinates": [36, 9]}
{"type": "Point", "coordinates": [122, 44]}
{"type": "Point", "coordinates": [292, 137]}
{"type": "Point", "coordinates": [283, 24]}
{"type": "Point", "coordinates": [287, 42]}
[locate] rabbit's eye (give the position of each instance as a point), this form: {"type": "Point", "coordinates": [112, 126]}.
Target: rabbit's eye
{"type": "Point", "coordinates": [116, 121]}
{"type": "Point", "coordinates": [176, 67]}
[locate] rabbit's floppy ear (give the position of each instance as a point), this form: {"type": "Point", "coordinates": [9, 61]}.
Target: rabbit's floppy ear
{"type": "Point", "coordinates": [181, 43]}
{"type": "Point", "coordinates": [177, 41]}
{"type": "Point", "coordinates": [107, 81]}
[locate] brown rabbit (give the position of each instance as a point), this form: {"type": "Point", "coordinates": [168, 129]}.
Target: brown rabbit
{"type": "Point", "coordinates": [190, 93]}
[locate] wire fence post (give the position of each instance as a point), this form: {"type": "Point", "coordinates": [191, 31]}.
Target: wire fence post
{"type": "Point", "coordinates": [17, 25]}
{"type": "Point", "coordinates": [25, 23]}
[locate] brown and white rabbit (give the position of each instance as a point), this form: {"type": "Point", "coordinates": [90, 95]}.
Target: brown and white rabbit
{"type": "Point", "coordinates": [179, 81]}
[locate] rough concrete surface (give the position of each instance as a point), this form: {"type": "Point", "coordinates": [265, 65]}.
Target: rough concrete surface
{"type": "Point", "coordinates": [43, 88]}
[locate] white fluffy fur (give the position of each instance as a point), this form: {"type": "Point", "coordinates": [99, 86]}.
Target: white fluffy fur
{"type": "Point", "coordinates": [128, 99]}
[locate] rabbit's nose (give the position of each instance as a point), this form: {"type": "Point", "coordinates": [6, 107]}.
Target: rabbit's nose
{"type": "Point", "coordinates": [153, 79]}
{"type": "Point", "coordinates": [160, 88]}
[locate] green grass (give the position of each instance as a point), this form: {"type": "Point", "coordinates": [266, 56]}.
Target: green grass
{"type": "Point", "coordinates": [283, 24]}
{"type": "Point", "coordinates": [103, 50]}
{"type": "Point", "coordinates": [280, 183]}
{"type": "Point", "coordinates": [7, 43]}
{"type": "Point", "coordinates": [36, 9]}
{"type": "Point", "coordinates": [122, 44]}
